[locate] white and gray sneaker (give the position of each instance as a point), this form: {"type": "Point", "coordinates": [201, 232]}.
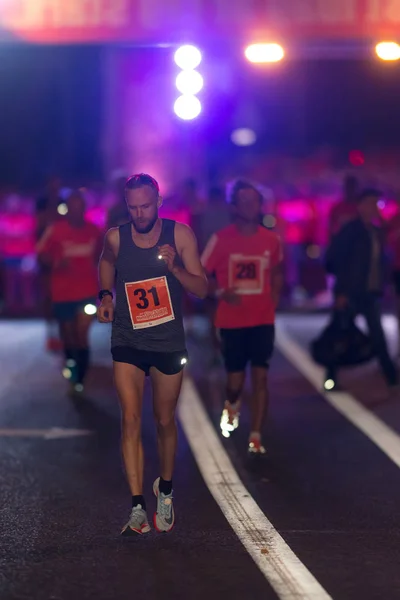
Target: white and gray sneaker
{"type": "Point", "coordinates": [138, 523]}
{"type": "Point", "coordinates": [164, 517]}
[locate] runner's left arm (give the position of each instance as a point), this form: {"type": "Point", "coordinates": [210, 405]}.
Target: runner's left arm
{"type": "Point", "coordinates": [191, 275]}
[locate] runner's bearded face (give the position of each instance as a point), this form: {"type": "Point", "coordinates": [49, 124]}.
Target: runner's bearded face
{"type": "Point", "coordinates": [248, 205]}
{"type": "Point", "coordinates": [143, 204]}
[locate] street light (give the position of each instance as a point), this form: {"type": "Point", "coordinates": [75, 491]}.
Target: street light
{"type": "Point", "coordinates": [188, 57]}
{"type": "Point", "coordinates": [188, 82]}
{"type": "Point", "coordinates": [187, 107]}
{"type": "Point", "coordinates": [388, 50]}
{"type": "Point", "coordinates": [264, 53]}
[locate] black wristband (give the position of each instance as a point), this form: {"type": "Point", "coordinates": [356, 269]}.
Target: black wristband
{"type": "Point", "coordinates": [103, 293]}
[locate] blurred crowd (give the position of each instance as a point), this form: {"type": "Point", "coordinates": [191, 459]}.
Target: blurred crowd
{"type": "Point", "coordinates": [306, 216]}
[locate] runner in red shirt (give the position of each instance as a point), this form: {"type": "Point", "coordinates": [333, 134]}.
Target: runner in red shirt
{"type": "Point", "coordinates": [71, 249]}
{"type": "Point", "coordinates": [245, 260]}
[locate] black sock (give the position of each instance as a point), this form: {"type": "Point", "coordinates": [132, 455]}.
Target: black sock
{"type": "Point", "coordinates": [165, 487]}
{"type": "Point", "coordinates": [136, 500]}
{"type": "Point", "coordinates": [83, 363]}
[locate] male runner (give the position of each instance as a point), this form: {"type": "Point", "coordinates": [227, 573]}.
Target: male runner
{"type": "Point", "coordinates": [245, 259]}
{"type": "Point", "coordinates": [70, 248]}
{"type": "Point", "coordinates": [153, 260]}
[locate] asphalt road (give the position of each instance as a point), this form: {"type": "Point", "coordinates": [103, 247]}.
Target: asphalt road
{"type": "Point", "coordinates": [330, 492]}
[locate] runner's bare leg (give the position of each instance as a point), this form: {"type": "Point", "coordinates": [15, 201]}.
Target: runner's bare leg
{"type": "Point", "coordinates": [129, 382]}
{"type": "Point", "coordinates": [166, 390]}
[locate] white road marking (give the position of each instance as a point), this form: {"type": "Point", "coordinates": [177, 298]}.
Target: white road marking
{"type": "Point", "coordinates": [285, 572]}
{"type": "Point", "coordinates": [53, 433]}
{"type": "Point", "coordinates": [376, 430]}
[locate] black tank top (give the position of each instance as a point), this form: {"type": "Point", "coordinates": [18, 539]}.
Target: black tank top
{"type": "Point", "coordinates": [148, 309]}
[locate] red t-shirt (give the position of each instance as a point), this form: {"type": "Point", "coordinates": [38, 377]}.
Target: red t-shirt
{"type": "Point", "coordinates": [245, 263]}
{"type": "Point", "coordinates": [79, 246]}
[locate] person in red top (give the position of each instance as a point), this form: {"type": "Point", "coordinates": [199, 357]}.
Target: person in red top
{"type": "Point", "coordinates": [71, 249]}
{"type": "Point", "coordinates": [245, 260]}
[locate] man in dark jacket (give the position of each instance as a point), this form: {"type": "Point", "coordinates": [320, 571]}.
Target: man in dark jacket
{"type": "Point", "coordinates": [356, 258]}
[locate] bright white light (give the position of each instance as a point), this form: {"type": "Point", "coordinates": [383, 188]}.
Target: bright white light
{"type": "Point", "coordinates": [159, 257]}
{"type": "Point", "coordinates": [62, 209]}
{"type": "Point", "coordinates": [187, 107]}
{"type": "Point", "coordinates": [67, 373]}
{"type": "Point", "coordinates": [189, 82]}
{"type": "Point", "coordinates": [90, 309]}
{"type": "Point", "coordinates": [388, 50]}
{"type": "Point", "coordinates": [243, 137]}
{"type": "Point", "coordinates": [183, 361]}
{"type": "Point", "coordinates": [187, 57]}
{"type": "Point", "coordinates": [264, 53]}
{"type": "Point", "coordinates": [329, 384]}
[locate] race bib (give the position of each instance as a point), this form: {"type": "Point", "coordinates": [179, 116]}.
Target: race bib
{"type": "Point", "coordinates": [149, 302]}
{"type": "Point", "coordinates": [246, 274]}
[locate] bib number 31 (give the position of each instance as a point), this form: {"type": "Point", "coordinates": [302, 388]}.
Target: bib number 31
{"type": "Point", "coordinates": [149, 302]}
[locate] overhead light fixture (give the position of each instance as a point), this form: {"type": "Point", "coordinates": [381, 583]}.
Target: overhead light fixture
{"type": "Point", "coordinates": [388, 50]}
{"type": "Point", "coordinates": [264, 53]}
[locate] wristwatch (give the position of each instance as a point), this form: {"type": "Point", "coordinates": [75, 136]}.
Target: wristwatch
{"type": "Point", "coordinates": [103, 293]}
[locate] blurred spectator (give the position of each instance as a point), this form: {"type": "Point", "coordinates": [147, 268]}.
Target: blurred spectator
{"type": "Point", "coordinates": [356, 259]}
{"type": "Point", "coordinates": [17, 246]}
{"type": "Point", "coordinates": [345, 210]}
{"type": "Point", "coordinates": [118, 213]}
{"type": "Point", "coordinates": [393, 229]}
{"type": "Point", "coordinates": [215, 216]}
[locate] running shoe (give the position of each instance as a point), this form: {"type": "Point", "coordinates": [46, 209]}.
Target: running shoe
{"type": "Point", "coordinates": [230, 418]}
{"type": "Point", "coordinates": [138, 523]}
{"type": "Point", "coordinates": [164, 517]}
{"type": "Point", "coordinates": [255, 446]}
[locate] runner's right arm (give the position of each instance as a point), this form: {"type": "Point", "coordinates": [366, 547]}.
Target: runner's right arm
{"type": "Point", "coordinates": [209, 261]}
{"type": "Point", "coordinates": [107, 261]}
{"type": "Point", "coordinates": [108, 258]}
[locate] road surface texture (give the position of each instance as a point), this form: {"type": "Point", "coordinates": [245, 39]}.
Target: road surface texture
{"type": "Point", "coordinates": [318, 518]}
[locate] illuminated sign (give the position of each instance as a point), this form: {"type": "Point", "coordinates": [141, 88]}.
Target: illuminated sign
{"type": "Point", "coordinates": [171, 21]}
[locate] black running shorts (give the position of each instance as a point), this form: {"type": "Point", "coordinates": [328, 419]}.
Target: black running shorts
{"type": "Point", "coordinates": [169, 363]}
{"type": "Point", "coordinates": [252, 345]}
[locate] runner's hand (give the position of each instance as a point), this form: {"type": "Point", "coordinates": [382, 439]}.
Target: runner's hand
{"type": "Point", "coordinates": [105, 312]}
{"type": "Point", "coordinates": [230, 296]}
{"type": "Point", "coordinates": [168, 255]}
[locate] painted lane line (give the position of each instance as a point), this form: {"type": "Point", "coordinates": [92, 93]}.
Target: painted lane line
{"type": "Point", "coordinates": [288, 576]}
{"type": "Point", "coordinates": [53, 433]}
{"type": "Point", "coordinates": [374, 428]}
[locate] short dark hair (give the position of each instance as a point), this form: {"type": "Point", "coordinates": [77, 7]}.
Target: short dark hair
{"type": "Point", "coordinates": [140, 180]}
{"type": "Point", "coordinates": [367, 193]}
{"type": "Point", "coordinates": [240, 185]}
